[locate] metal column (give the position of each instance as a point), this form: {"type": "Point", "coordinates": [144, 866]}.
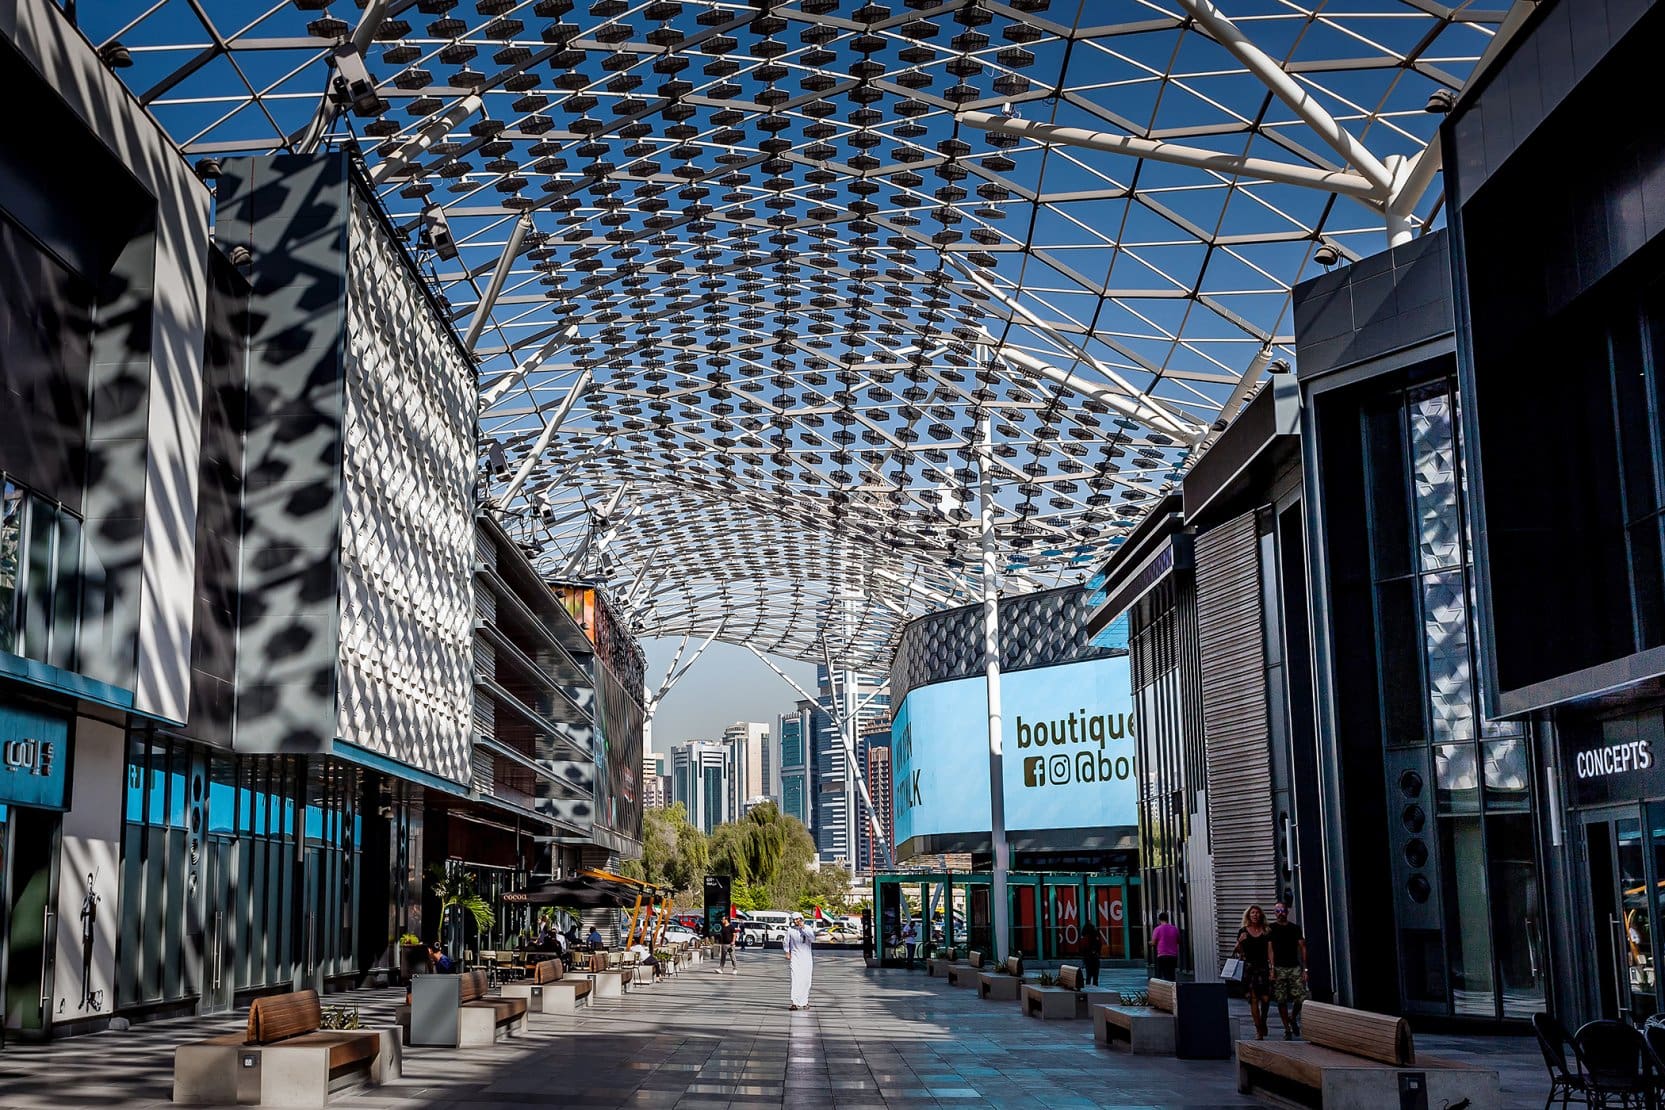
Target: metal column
{"type": "Point", "coordinates": [991, 661]}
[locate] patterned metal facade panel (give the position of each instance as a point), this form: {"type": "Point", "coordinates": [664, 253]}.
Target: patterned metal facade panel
{"type": "Point", "coordinates": [1036, 630]}
{"type": "Point", "coordinates": [407, 538]}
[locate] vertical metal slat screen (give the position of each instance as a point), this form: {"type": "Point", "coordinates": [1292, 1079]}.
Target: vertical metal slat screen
{"type": "Point", "coordinates": [1231, 634]}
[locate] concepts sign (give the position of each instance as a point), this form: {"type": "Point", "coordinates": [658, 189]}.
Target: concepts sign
{"type": "Point", "coordinates": [1068, 746]}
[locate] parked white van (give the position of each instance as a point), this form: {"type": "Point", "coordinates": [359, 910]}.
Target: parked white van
{"type": "Point", "coordinates": [769, 925]}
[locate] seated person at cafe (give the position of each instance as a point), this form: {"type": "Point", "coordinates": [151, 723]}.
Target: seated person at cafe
{"type": "Point", "coordinates": [647, 959]}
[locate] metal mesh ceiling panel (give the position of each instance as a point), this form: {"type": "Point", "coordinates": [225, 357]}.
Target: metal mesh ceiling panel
{"type": "Point", "coordinates": [744, 279]}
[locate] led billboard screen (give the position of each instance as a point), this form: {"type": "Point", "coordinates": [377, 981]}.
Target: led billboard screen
{"type": "Point", "coordinates": [1068, 752]}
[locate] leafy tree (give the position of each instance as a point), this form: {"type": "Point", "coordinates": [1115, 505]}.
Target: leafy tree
{"type": "Point", "coordinates": [674, 853]}
{"type": "Point", "coordinates": [828, 888]}
{"type": "Point", "coordinates": [767, 854]}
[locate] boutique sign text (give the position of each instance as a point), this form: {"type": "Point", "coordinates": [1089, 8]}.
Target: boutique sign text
{"type": "Point", "coordinates": [1068, 738]}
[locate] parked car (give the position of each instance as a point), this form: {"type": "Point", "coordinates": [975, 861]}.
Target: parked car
{"type": "Point", "coordinates": [676, 934]}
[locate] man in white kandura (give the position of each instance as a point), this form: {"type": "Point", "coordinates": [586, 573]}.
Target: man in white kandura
{"type": "Point", "coordinates": [797, 944]}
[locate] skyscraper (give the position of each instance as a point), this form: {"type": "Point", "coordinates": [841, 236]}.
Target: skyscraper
{"type": "Point", "coordinates": [871, 856]}
{"type": "Point", "coordinates": [837, 800]}
{"type": "Point", "coordinates": [751, 765]}
{"type": "Point", "coordinates": [699, 780]}
{"type": "Point", "coordinates": [796, 761]}
{"type": "Point", "coordinates": [655, 781]}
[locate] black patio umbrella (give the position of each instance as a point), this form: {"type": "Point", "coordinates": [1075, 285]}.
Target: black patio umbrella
{"type": "Point", "coordinates": [586, 892]}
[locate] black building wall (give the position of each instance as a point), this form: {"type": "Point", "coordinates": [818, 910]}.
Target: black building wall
{"type": "Point", "coordinates": [1561, 354]}
{"type": "Point", "coordinates": [1433, 835]}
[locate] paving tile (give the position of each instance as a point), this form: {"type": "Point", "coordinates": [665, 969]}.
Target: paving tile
{"type": "Point", "coordinates": [874, 1039]}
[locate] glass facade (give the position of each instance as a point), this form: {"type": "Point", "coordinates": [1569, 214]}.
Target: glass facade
{"type": "Point", "coordinates": [1162, 647]}
{"type": "Point", "coordinates": [40, 577]}
{"type": "Point", "coordinates": [238, 873]}
{"type": "Point", "coordinates": [1459, 786]}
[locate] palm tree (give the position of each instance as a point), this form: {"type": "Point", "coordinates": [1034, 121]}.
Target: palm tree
{"type": "Point", "coordinates": [457, 890]}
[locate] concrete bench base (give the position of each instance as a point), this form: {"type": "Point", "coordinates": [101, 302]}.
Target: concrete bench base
{"type": "Point", "coordinates": [563, 997]}
{"type": "Point", "coordinates": [963, 975]}
{"type": "Point", "coordinates": [478, 1027]}
{"type": "Point", "coordinates": [224, 1071]}
{"type": "Point", "coordinates": [535, 995]}
{"type": "Point", "coordinates": [1053, 1003]}
{"type": "Point", "coordinates": [608, 984]}
{"type": "Point", "coordinates": [1138, 1029]}
{"type": "Point", "coordinates": [997, 986]}
{"type": "Point", "coordinates": [1308, 1075]}
{"type": "Point", "coordinates": [938, 967]}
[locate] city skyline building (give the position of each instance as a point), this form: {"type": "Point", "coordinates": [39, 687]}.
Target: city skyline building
{"type": "Point", "coordinates": [837, 799]}
{"type": "Point", "coordinates": [796, 732]}
{"type": "Point", "coordinates": [751, 765]}
{"type": "Point", "coordinates": [655, 781]}
{"type": "Point", "coordinates": [699, 780]}
{"type": "Point", "coordinates": [876, 758]}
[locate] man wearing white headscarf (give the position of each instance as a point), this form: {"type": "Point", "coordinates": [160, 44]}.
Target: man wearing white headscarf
{"type": "Point", "coordinates": [797, 944]}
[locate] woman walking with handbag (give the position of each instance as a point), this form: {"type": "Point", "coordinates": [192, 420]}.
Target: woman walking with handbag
{"type": "Point", "coordinates": [1254, 948]}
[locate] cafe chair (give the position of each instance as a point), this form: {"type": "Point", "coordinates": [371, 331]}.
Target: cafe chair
{"type": "Point", "coordinates": [1565, 1083]}
{"type": "Point", "coordinates": [1617, 1066]}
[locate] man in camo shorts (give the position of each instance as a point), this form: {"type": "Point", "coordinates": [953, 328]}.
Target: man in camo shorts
{"type": "Point", "coordinates": [1289, 970]}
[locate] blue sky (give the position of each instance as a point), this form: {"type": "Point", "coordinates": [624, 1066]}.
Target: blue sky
{"type": "Point", "coordinates": [726, 685]}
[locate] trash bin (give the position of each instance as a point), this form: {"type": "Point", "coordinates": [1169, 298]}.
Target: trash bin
{"type": "Point", "coordinates": [1202, 1022]}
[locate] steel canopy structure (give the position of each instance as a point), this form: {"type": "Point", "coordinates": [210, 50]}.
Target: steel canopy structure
{"type": "Point", "coordinates": [747, 282]}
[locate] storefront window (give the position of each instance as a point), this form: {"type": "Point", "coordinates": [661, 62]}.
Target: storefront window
{"type": "Point", "coordinates": [1468, 903]}
{"type": "Point", "coordinates": [40, 577]}
{"type": "Point", "coordinates": [11, 546]}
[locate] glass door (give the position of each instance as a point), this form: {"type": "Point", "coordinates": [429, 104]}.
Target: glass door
{"type": "Point", "coordinates": [218, 973]}
{"type": "Point", "coordinates": [1623, 899]}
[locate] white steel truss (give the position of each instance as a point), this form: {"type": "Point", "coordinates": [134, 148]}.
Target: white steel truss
{"type": "Point", "coordinates": [769, 263]}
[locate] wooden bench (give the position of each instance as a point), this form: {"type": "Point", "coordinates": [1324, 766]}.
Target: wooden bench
{"type": "Point", "coordinates": [1068, 1000]}
{"type": "Point", "coordinates": [457, 1011]}
{"type": "Point", "coordinates": [607, 974]}
{"type": "Point", "coordinates": [1002, 985]}
{"type": "Point", "coordinates": [1143, 1030]}
{"type": "Point", "coordinates": [547, 990]}
{"type": "Point", "coordinates": [1355, 1060]}
{"type": "Point", "coordinates": [283, 1058]}
{"type": "Point", "coordinates": [965, 975]}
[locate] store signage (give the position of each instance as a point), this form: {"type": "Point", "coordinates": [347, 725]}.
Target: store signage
{"type": "Point", "coordinates": [1068, 733]}
{"type": "Point", "coordinates": [34, 758]}
{"type": "Point", "coordinates": [1174, 555]}
{"type": "Point", "coordinates": [1613, 759]}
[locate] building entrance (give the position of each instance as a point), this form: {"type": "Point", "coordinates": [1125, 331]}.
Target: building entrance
{"type": "Point", "coordinates": [28, 853]}
{"type": "Point", "coordinates": [1624, 853]}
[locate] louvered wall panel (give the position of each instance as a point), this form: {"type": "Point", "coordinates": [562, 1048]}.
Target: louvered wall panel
{"type": "Point", "coordinates": [1241, 829]}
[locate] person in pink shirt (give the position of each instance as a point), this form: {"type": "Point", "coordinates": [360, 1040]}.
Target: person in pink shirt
{"type": "Point", "coordinates": [1165, 939]}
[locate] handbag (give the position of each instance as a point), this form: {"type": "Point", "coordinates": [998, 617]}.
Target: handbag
{"type": "Point", "coordinates": [1232, 970]}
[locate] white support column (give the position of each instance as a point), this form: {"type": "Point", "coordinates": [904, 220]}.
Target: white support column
{"type": "Point", "coordinates": [511, 249]}
{"type": "Point", "coordinates": [1340, 182]}
{"type": "Point", "coordinates": [861, 780]}
{"type": "Point", "coordinates": [1148, 409]}
{"type": "Point", "coordinates": [1290, 91]}
{"type": "Point", "coordinates": [991, 669]}
{"type": "Point", "coordinates": [566, 406]}
{"type": "Point", "coordinates": [589, 543]}
{"type": "Point", "coordinates": [851, 739]}
{"type": "Point", "coordinates": [498, 388]}
{"type": "Point", "coordinates": [310, 136]}
{"type": "Point", "coordinates": [441, 126]}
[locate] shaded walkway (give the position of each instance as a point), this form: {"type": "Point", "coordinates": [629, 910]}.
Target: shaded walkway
{"type": "Point", "coordinates": [872, 1039]}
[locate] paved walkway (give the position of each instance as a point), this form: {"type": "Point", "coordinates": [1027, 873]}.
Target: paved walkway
{"type": "Point", "coordinates": [872, 1039]}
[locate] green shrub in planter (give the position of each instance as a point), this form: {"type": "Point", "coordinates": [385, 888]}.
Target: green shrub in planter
{"type": "Point", "coordinates": [338, 1017]}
